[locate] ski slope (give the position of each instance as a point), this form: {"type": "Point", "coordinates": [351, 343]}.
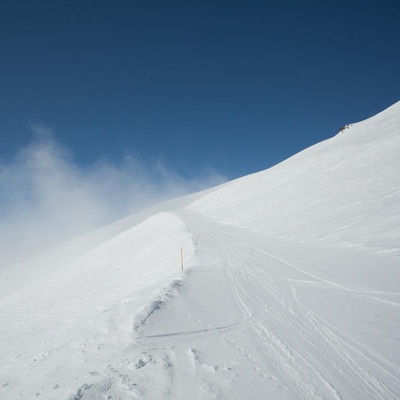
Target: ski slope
{"type": "Point", "coordinates": [290, 290]}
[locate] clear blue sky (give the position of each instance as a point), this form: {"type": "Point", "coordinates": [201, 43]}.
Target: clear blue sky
{"type": "Point", "coordinates": [233, 85]}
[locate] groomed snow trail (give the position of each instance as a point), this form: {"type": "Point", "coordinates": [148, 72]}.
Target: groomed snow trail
{"type": "Point", "coordinates": [248, 323]}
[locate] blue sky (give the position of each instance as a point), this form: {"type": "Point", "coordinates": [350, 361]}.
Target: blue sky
{"type": "Point", "coordinates": [234, 86]}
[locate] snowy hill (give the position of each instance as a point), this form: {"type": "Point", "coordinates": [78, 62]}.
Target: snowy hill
{"type": "Point", "coordinates": [345, 189]}
{"type": "Point", "coordinates": [290, 289]}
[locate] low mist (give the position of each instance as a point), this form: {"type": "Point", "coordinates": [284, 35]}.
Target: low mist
{"type": "Point", "coordinates": [46, 197]}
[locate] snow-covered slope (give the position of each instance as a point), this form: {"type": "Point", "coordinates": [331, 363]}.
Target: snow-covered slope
{"type": "Point", "coordinates": [345, 189]}
{"type": "Point", "coordinates": [17, 275]}
{"type": "Point", "coordinates": [290, 290]}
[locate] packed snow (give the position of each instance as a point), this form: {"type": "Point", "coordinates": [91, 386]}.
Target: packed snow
{"type": "Point", "coordinates": [290, 289]}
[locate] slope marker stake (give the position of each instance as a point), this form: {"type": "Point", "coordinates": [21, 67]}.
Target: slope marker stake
{"type": "Point", "coordinates": [182, 258]}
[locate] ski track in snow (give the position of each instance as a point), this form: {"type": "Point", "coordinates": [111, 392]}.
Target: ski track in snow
{"type": "Point", "coordinates": [298, 355]}
{"type": "Point", "coordinates": [261, 340]}
{"type": "Point", "coordinates": [298, 372]}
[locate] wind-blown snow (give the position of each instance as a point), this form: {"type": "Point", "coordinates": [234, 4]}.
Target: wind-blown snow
{"type": "Point", "coordinates": [290, 290]}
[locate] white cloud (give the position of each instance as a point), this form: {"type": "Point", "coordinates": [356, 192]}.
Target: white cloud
{"type": "Point", "coordinates": [46, 197]}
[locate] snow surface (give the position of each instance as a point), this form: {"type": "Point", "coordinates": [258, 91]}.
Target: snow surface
{"type": "Point", "coordinates": [290, 289]}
